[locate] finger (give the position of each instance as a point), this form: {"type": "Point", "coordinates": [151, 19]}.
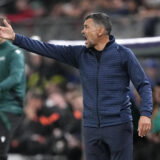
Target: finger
{"type": "Point", "coordinates": [145, 129]}
{"type": "Point", "coordinates": [141, 130]}
{"type": "Point", "coordinates": [148, 128]}
{"type": "Point", "coordinates": [6, 23]}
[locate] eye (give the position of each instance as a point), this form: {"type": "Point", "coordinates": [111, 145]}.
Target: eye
{"type": "Point", "coordinates": [86, 26]}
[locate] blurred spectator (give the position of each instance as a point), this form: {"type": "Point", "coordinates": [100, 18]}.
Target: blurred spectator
{"type": "Point", "coordinates": [73, 9]}
{"type": "Point", "coordinates": [147, 149]}
{"type": "Point", "coordinates": [117, 7]}
{"type": "Point", "coordinates": [38, 7]}
{"type": "Point", "coordinates": [5, 6]}
{"type": "Point", "coordinates": [22, 10]}
{"type": "Point", "coordinates": [155, 132]}
{"type": "Point", "coordinates": [150, 12]}
{"type": "Point", "coordinates": [70, 121]}
{"type": "Point", "coordinates": [75, 140]}
{"type": "Point", "coordinates": [51, 128]}
{"type": "Point", "coordinates": [151, 68]}
{"type": "Point", "coordinates": [35, 133]}
{"type": "Point", "coordinates": [44, 71]}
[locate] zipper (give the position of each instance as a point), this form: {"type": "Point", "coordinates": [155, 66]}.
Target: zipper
{"type": "Point", "coordinates": [97, 86]}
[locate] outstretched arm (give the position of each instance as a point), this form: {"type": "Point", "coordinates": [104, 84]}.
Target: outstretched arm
{"type": "Point", "coordinates": [65, 54]}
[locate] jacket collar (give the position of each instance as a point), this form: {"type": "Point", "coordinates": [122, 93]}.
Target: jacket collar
{"type": "Point", "coordinates": [111, 41]}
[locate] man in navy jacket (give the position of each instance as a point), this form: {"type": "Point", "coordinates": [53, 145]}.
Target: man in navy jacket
{"type": "Point", "coordinates": [106, 69]}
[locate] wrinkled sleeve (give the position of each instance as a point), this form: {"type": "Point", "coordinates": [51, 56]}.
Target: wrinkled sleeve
{"type": "Point", "coordinates": [65, 54]}
{"type": "Point", "coordinates": [141, 83]}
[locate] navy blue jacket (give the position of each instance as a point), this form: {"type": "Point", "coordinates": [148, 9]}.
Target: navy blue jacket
{"type": "Point", "coordinates": [105, 83]}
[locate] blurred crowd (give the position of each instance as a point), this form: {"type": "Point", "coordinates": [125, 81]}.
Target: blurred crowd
{"type": "Point", "coordinates": [53, 110]}
{"type": "Point", "coordinates": [20, 10]}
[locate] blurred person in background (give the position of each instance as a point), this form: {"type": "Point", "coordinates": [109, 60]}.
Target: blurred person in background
{"type": "Point", "coordinates": [148, 147]}
{"type": "Point", "coordinates": [28, 138]}
{"type": "Point", "coordinates": [73, 9]}
{"type": "Point", "coordinates": [151, 68]}
{"type": "Point", "coordinates": [69, 124]}
{"type": "Point", "coordinates": [22, 10]}
{"type": "Point", "coordinates": [12, 92]}
{"type": "Point", "coordinates": [35, 133]}
{"type": "Point", "coordinates": [48, 128]}
{"type": "Point", "coordinates": [74, 98]}
{"type": "Point", "coordinates": [117, 7]}
{"type": "Point", "coordinates": [155, 131]}
{"type": "Point", "coordinates": [154, 136]}
{"type": "Point", "coordinates": [44, 72]}
{"type": "Point", "coordinates": [150, 13]}
{"type": "Point", "coordinates": [106, 69]}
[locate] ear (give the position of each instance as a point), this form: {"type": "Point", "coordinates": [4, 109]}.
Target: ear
{"type": "Point", "coordinates": [101, 31]}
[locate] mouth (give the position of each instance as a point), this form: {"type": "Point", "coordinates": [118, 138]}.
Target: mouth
{"type": "Point", "coordinates": [85, 38]}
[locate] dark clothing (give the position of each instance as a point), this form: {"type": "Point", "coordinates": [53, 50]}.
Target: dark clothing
{"type": "Point", "coordinates": [109, 143]}
{"type": "Point", "coordinates": [5, 135]}
{"type": "Point", "coordinates": [105, 83]}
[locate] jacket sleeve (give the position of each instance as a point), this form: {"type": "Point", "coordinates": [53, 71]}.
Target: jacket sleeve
{"type": "Point", "coordinates": [140, 81]}
{"type": "Point", "coordinates": [65, 54]}
{"type": "Point", "coordinates": [16, 70]}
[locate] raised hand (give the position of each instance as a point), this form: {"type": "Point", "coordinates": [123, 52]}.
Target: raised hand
{"type": "Point", "coordinates": [7, 31]}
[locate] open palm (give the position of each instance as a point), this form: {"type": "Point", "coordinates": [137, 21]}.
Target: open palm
{"type": "Point", "coordinates": [7, 32]}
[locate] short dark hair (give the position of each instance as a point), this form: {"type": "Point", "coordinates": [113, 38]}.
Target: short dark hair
{"type": "Point", "coordinates": [101, 18]}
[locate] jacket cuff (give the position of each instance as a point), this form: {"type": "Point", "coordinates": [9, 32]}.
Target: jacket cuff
{"type": "Point", "coordinates": [17, 38]}
{"type": "Point", "coordinates": [146, 113]}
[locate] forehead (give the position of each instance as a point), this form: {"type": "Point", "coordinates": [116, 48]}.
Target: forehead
{"type": "Point", "coordinates": [89, 21]}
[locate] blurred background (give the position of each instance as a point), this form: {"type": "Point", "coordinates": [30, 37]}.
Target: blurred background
{"type": "Point", "coordinates": [51, 127]}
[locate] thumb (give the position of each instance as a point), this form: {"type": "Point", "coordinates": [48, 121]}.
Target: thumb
{"type": "Point", "coordinates": [6, 23]}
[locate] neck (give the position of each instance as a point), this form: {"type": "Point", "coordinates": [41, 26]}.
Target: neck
{"type": "Point", "coordinates": [101, 43]}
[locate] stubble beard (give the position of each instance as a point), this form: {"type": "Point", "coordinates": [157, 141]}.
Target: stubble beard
{"type": "Point", "coordinates": [90, 45]}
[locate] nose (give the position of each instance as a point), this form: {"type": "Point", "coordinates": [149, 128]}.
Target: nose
{"type": "Point", "coordinates": [82, 31]}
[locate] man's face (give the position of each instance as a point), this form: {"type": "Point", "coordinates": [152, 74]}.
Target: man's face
{"type": "Point", "coordinates": [90, 33]}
